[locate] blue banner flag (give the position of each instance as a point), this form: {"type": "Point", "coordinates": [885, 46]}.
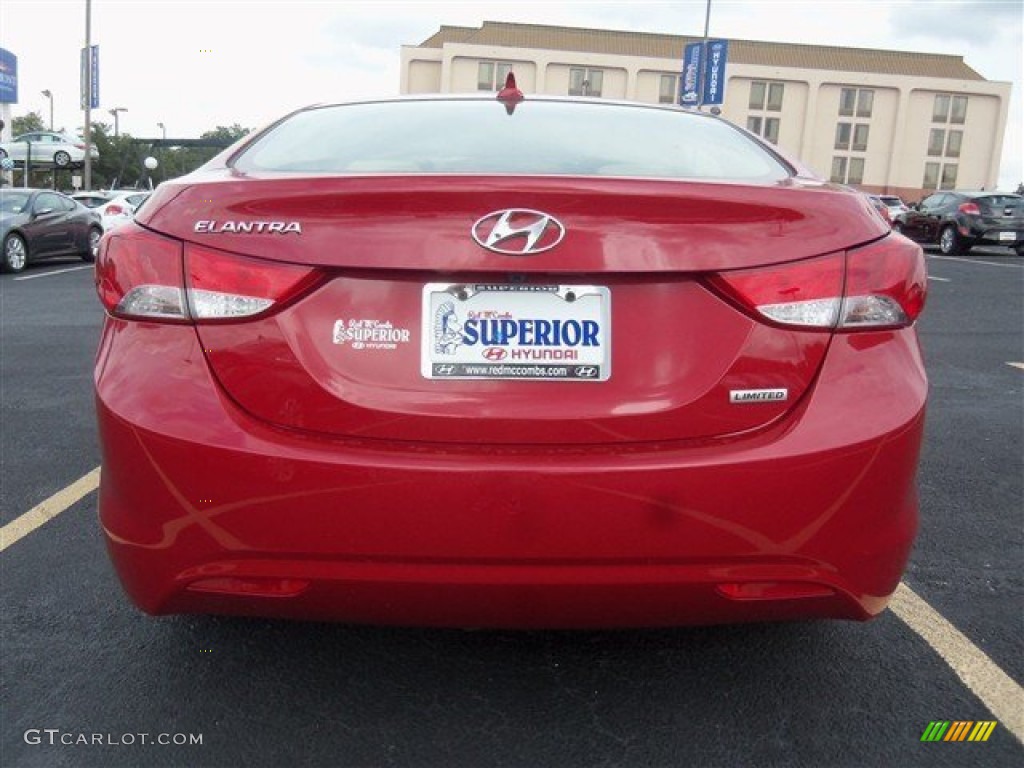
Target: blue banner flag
{"type": "Point", "coordinates": [714, 71]}
{"type": "Point", "coordinates": [689, 84]}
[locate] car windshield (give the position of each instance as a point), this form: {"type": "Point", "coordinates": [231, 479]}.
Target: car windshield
{"type": "Point", "coordinates": [475, 136]}
{"type": "Point", "coordinates": [13, 202]}
{"type": "Point", "coordinates": [1001, 201]}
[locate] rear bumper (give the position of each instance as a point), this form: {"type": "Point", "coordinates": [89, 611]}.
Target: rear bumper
{"type": "Point", "coordinates": [207, 510]}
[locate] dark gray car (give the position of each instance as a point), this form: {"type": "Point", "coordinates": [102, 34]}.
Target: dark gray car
{"type": "Point", "coordinates": [40, 224]}
{"type": "Point", "coordinates": [956, 221]}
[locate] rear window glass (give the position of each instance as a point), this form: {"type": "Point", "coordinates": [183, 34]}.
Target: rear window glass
{"type": "Point", "coordinates": [1000, 201]}
{"type": "Point", "coordinates": [540, 138]}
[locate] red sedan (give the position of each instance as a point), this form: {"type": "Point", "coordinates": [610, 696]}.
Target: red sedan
{"type": "Point", "coordinates": [537, 363]}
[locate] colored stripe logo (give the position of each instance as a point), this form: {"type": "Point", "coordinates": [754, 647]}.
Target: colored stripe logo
{"type": "Point", "coordinates": [958, 730]}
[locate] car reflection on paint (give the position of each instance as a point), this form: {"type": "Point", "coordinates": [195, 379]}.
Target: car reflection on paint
{"type": "Point", "coordinates": [454, 361]}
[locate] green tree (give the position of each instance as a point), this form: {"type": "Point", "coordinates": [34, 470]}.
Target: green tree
{"type": "Point", "coordinates": [29, 123]}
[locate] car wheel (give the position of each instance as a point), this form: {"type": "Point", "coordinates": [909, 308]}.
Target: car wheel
{"type": "Point", "coordinates": [15, 253]}
{"type": "Point", "coordinates": [950, 242]}
{"type": "Point", "coordinates": [94, 245]}
{"type": "Point", "coordinates": [3, 154]}
{"type": "Point", "coordinates": [62, 159]}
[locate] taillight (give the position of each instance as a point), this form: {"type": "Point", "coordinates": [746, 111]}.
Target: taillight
{"type": "Point", "coordinates": [114, 210]}
{"type": "Point", "coordinates": [971, 209]}
{"type": "Point", "coordinates": [144, 276]}
{"type": "Point", "coordinates": [882, 285]}
{"type": "Point", "coordinates": [139, 275]}
{"type": "Point", "coordinates": [222, 286]}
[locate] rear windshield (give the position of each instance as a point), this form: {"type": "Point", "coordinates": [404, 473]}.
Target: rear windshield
{"type": "Point", "coordinates": [540, 138]}
{"type": "Point", "coordinates": [1000, 201]}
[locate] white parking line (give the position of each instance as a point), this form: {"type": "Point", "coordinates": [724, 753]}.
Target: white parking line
{"type": "Point", "coordinates": [996, 689]}
{"type": "Point", "coordinates": [45, 511]}
{"type": "Point", "coordinates": [1017, 365]}
{"type": "Point", "coordinates": [978, 261]}
{"type": "Point", "coordinates": [54, 272]}
{"type": "Point", "coordinates": [939, 279]}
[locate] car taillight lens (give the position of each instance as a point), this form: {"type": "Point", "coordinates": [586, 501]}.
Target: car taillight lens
{"type": "Point", "coordinates": [144, 276]}
{"type": "Point", "coordinates": [114, 210]}
{"type": "Point", "coordinates": [882, 285]}
{"type": "Point", "coordinates": [971, 209]}
{"type": "Point", "coordinates": [223, 286]}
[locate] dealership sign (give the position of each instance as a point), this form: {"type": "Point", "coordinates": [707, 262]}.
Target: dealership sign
{"type": "Point", "coordinates": [690, 81]}
{"type": "Point", "coordinates": [8, 77]}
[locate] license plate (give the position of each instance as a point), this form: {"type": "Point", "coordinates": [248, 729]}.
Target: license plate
{"type": "Point", "coordinates": [488, 331]}
{"type": "Point", "coordinates": [1009, 236]}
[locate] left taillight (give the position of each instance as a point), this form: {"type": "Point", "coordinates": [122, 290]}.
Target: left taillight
{"type": "Point", "coordinates": [141, 275]}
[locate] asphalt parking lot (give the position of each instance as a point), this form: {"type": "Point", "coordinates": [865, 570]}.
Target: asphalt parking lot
{"type": "Point", "coordinates": [79, 661]}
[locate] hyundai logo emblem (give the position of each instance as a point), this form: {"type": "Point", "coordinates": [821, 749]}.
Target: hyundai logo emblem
{"type": "Point", "coordinates": [518, 232]}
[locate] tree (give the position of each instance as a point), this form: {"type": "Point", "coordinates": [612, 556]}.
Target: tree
{"type": "Point", "coordinates": [29, 123]}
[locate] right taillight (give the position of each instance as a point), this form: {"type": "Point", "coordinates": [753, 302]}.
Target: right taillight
{"type": "Point", "coordinates": [971, 209]}
{"type": "Point", "coordinates": [141, 275]}
{"type": "Point", "coordinates": [881, 285]}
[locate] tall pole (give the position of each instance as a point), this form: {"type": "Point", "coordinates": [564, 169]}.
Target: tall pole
{"type": "Point", "coordinates": [87, 173]}
{"type": "Point", "coordinates": [49, 95]}
{"type": "Point", "coordinates": [703, 57]}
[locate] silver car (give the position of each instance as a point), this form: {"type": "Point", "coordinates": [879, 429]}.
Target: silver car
{"type": "Point", "coordinates": [48, 148]}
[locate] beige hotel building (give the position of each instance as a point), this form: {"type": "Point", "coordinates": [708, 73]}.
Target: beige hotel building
{"type": "Point", "coordinates": [884, 121]}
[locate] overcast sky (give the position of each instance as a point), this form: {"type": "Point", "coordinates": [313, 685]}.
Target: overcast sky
{"type": "Point", "coordinates": [195, 65]}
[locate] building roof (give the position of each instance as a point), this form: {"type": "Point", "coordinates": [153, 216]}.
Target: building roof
{"type": "Point", "coordinates": [619, 43]}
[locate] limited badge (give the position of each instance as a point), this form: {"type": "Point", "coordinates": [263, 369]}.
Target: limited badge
{"type": "Point", "coordinates": [758, 395]}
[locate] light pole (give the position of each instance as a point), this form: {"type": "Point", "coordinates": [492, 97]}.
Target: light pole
{"type": "Point", "coordinates": [163, 128]}
{"type": "Point", "coordinates": [49, 95]}
{"type": "Point", "coordinates": [114, 112]}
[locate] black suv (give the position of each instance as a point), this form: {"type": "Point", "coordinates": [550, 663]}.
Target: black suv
{"type": "Point", "coordinates": [956, 221]}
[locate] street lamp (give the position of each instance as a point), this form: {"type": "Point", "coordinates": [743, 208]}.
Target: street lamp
{"type": "Point", "coordinates": [114, 112]}
{"type": "Point", "coordinates": [163, 128]}
{"type": "Point", "coordinates": [49, 95]}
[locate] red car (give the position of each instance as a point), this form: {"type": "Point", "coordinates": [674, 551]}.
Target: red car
{"type": "Point", "coordinates": [521, 363]}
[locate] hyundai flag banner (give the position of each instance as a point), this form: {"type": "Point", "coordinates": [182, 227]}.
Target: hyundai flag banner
{"type": "Point", "coordinates": [690, 83]}
{"type": "Point", "coordinates": [95, 90]}
{"type": "Point", "coordinates": [714, 71]}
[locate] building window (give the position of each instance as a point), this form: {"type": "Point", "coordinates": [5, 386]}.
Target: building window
{"type": "Point", "coordinates": [931, 176]}
{"type": "Point", "coordinates": [936, 140]}
{"type": "Point", "coordinates": [959, 110]}
{"type": "Point", "coordinates": [860, 138]}
{"type": "Point", "coordinates": [668, 91]}
{"type": "Point", "coordinates": [856, 174]}
{"type": "Point", "coordinates": [766, 96]}
{"type": "Point", "coordinates": [857, 101]}
{"type": "Point", "coordinates": [953, 142]}
{"type": "Point", "coordinates": [491, 75]}
{"type": "Point", "coordinates": [865, 100]}
{"type": "Point", "coordinates": [949, 176]}
{"type": "Point", "coordinates": [838, 170]}
{"type": "Point", "coordinates": [768, 127]}
{"type": "Point", "coordinates": [584, 81]}
{"type": "Point", "coordinates": [843, 136]}
{"type": "Point", "coordinates": [940, 110]}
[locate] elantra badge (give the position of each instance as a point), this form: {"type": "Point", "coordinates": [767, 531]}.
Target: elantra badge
{"type": "Point", "coordinates": [758, 395]}
{"type": "Point", "coordinates": [247, 227]}
{"type": "Point", "coordinates": [518, 232]}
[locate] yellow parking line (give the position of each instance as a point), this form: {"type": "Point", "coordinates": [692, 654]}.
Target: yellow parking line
{"type": "Point", "coordinates": [996, 689]}
{"type": "Point", "coordinates": [47, 510]}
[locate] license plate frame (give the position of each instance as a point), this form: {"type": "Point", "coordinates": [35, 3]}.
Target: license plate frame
{"type": "Point", "coordinates": [501, 331]}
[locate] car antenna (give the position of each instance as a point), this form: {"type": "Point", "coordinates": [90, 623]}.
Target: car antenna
{"type": "Point", "coordinates": [510, 95]}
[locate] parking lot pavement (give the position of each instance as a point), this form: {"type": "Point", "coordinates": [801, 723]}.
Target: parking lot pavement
{"type": "Point", "coordinates": [77, 658]}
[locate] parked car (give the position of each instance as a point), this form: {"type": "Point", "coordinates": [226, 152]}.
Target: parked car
{"type": "Point", "coordinates": [48, 147]}
{"type": "Point", "coordinates": [895, 205]}
{"type": "Point", "coordinates": [115, 207]}
{"type": "Point", "coordinates": [453, 361]}
{"type": "Point", "coordinates": [882, 208]}
{"type": "Point", "coordinates": [957, 221]}
{"type": "Point", "coordinates": [38, 224]}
